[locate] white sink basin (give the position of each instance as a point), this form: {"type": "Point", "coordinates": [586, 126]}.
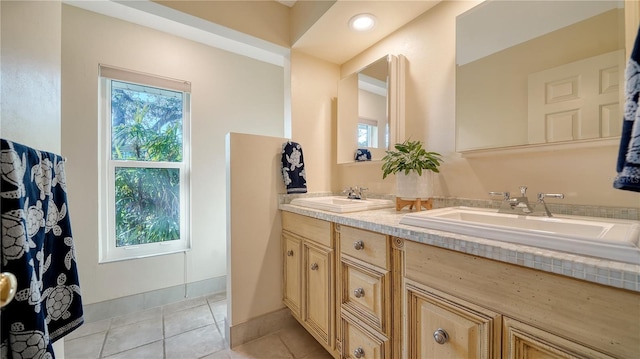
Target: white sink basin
{"type": "Point", "coordinates": [341, 204]}
{"type": "Point", "coordinates": [606, 238]}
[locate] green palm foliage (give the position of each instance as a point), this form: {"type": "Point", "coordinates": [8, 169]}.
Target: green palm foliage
{"type": "Point", "coordinates": [146, 128]}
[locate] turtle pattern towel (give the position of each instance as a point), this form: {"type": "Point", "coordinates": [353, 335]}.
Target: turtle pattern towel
{"type": "Point", "coordinates": [628, 165]}
{"type": "Point", "coordinates": [295, 178]}
{"type": "Point", "coordinates": [362, 154]}
{"type": "Point", "coordinates": [37, 247]}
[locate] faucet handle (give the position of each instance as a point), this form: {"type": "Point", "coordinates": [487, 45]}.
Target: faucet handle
{"type": "Point", "coordinates": [505, 195]}
{"type": "Point", "coordinates": [523, 191]}
{"type": "Point", "coordinates": [542, 196]}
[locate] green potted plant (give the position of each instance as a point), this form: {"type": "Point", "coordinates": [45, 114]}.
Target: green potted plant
{"type": "Point", "coordinates": [407, 162]}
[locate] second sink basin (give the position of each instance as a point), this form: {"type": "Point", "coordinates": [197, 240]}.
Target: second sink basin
{"type": "Point", "coordinates": [341, 204]}
{"type": "Point", "coordinates": [598, 237]}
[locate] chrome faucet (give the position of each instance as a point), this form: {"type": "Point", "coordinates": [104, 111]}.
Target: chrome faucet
{"type": "Point", "coordinates": [355, 192]}
{"type": "Point", "coordinates": [520, 205]}
{"type": "Point", "coordinates": [516, 205]}
{"type": "Point", "coordinates": [541, 207]}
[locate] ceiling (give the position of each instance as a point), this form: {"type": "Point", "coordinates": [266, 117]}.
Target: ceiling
{"type": "Point", "coordinates": [331, 39]}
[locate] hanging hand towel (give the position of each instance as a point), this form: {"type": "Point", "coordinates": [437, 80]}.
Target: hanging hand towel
{"type": "Point", "coordinates": [362, 154]}
{"type": "Point", "coordinates": [628, 165]}
{"type": "Point", "coordinates": [37, 247]}
{"type": "Point", "coordinates": [293, 172]}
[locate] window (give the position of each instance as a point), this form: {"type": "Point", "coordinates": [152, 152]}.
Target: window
{"type": "Point", "coordinates": [367, 133]}
{"type": "Point", "coordinates": [144, 156]}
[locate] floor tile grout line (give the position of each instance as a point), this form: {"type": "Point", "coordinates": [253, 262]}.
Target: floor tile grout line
{"type": "Point", "coordinates": [164, 342]}
{"type": "Point", "coordinates": [284, 343]}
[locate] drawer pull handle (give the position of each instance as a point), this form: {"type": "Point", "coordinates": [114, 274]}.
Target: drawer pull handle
{"type": "Point", "coordinates": [314, 266]}
{"type": "Point", "coordinates": [358, 245]}
{"type": "Point", "coordinates": [290, 253]}
{"type": "Point", "coordinates": [359, 292]}
{"type": "Point", "coordinates": [440, 336]}
{"type": "Point", "coordinates": [358, 353]}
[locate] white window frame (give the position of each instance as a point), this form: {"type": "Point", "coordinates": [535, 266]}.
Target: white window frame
{"type": "Point", "coordinates": [108, 250]}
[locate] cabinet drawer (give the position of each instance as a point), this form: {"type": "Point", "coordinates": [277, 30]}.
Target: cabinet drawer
{"type": "Point", "coordinates": [316, 230]}
{"type": "Point", "coordinates": [357, 342]}
{"type": "Point", "coordinates": [523, 341]}
{"type": "Point", "coordinates": [446, 327]}
{"type": "Point", "coordinates": [366, 294]}
{"type": "Point", "coordinates": [367, 246]}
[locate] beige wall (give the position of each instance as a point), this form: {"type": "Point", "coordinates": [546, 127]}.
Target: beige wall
{"type": "Point", "coordinates": [30, 86]}
{"type": "Point", "coordinates": [314, 83]}
{"type": "Point", "coordinates": [428, 42]}
{"type": "Point", "coordinates": [229, 93]}
{"type": "Point", "coordinates": [31, 39]}
{"type": "Point", "coordinates": [266, 20]}
{"type": "Point", "coordinates": [254, 282]}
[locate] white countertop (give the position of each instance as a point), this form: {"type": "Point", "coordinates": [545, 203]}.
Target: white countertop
{"type": "Point", "coordinates": [387, 221]}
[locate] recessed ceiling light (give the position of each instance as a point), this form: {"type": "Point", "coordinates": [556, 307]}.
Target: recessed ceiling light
{"type": "Point", "coordinates": [362, 22]}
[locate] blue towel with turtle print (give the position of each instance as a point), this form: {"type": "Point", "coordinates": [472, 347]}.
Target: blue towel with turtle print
{"type": "Point", "coordinates": [38, 248]}
{"type": "Point", "coordinates": [295, 178]}
{"type": "Point", "coordinates": [362, 154]}
{"type": "Point", "coordinates": [628, 165]}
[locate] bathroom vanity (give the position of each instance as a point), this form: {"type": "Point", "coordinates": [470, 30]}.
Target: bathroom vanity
{"type": "Point", "coordinates": [366, 286]}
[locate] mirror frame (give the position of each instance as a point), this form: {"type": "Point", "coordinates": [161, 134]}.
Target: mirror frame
{"type": "Point", "coordinates": [347, 111]}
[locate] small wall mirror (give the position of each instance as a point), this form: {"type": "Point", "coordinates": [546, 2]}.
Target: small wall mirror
{"type": "Point", "coordinates": [370, 109]}
{"type": "Point", "coordinates": [539, 72]}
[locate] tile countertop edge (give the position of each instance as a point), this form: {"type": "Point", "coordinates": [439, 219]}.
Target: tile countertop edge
{"type": "Point", "coordinates": [387, 221]}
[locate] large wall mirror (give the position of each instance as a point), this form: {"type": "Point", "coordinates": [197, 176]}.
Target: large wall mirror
{"type": "Point", "coordinates": [539, 72]}
{"type": "Point", "coordinates": [370, 109]}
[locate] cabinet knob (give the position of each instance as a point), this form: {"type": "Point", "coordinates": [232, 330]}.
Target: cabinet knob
{"type": "Point", "coordinates": [358, 245]}
{"type": "Point", "coordinates": [314, 266]}
{"type": "Point", "coordinates": [290, 253]}
{"type": "Point", "coordinates": [440, 336]}
{"type": "Point", "coordinates": [358, 353]}
{"type": "Point", "coordinates": [359, 292]}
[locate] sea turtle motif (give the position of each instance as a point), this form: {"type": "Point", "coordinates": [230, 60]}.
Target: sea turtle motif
{"type": "Point", "coordinates": [294, 159]}
{"type": "Point", "coordinates": [15, 241]}
{"type": "Point", "coordinates": [12, 169]}
{"type": "Point", "coordinates": [26, 344]}
{"type": "Point", "coordinates": [35, 218]}
{"type": "Point", "coordinates": [59, 298]}
{"type": "Point", "coordinates": [60, 176]}
{"type": "Point", "coordinates": [71, 255]}
{"type": "Point", "coordinates": [54, 216]}
{"type": "Point", "coordinates": [41, 174]}
{"type": "Point", "coordinates": [32, 294]}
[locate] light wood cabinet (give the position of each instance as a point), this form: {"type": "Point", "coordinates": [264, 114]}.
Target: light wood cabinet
{"type": "Point", "coordinates": [364, 296]}
{"type": "Point", "coordinates": [441, 327]}
{"type": "Point", "coordinates": [317, 312]}
{"type": "Point", "coordinates": [544, 315]}
{"type": "Point", "coordinates": [309, 275]}
{"type": "Point", "coordinates": [522, 341]}
{"type": "Point", "coordinates": [360, 342]}
{"type": "Point", "coordinates": [292, 261]}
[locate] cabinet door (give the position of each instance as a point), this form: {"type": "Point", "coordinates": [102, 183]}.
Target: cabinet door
{"type": "Point", "coordinates": [291, 282]}
{"type": "Point", "coordinates": [440, 328]}
{"type": "Point", "coordinates": [524, 341]}
{"type": "Point", "coordinates": [318, 293]}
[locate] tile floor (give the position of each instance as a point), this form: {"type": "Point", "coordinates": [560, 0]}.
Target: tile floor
{"type": "Point", "coordinates": [190, 329]}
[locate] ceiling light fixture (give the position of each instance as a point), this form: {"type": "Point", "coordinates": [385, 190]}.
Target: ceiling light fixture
{"type": "Point", "coordinates": [362, 22]}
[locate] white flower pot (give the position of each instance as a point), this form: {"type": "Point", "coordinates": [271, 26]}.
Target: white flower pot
{"type": "Point", "coordinates": [413, 186]}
